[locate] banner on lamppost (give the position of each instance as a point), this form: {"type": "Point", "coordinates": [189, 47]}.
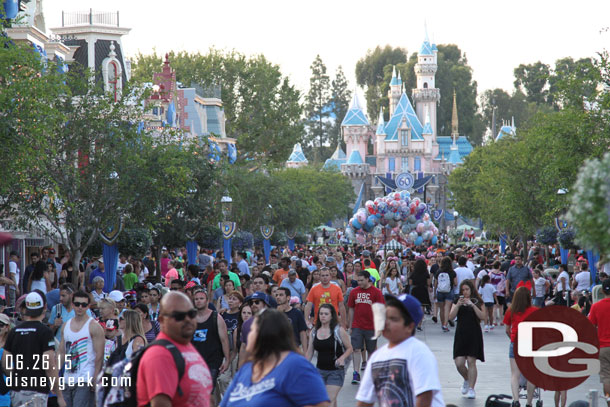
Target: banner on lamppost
{"type": "Point", "coordinates": [291, 234]}
{"type": "Point", "coordinates": [267, 232]}
{"type": "Point", "coordinates": [110, 253]}
{"type": "Point", "coordinates": [228, 230]}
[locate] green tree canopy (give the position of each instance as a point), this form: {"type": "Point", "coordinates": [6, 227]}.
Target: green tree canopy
{"type": "Point", "coordinates": [317, 110]}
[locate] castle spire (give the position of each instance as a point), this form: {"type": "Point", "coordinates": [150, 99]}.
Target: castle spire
{"type": "Point", "coordinates": [454, 120]}
{"type": "Point", "coordinates": [394, 71]}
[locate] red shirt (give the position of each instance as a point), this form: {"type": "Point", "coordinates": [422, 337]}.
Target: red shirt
{"type": "Point", "coordinates": [157, 374]}
{"type": "Point", "coordinates": [599, 317]}
{"type": "Point", "coordinates": [361, 301]}
{"type": "Point", "coordinates": [514, 319]}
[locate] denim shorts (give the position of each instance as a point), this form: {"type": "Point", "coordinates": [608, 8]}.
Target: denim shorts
{"type": "Point", "coordinates": [333, 377]}
{"type": "Point", "coordinates": [511, 352]}
{"type": "Point", "coordinates": [442, 297]}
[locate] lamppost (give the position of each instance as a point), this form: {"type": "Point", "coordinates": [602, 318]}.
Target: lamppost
{"type": "Point", "coordinates": [455, 218]}
{"type": "Point", "coordinates": [267, 232]}
{"type": "Point", "coordinates": [227, 227]}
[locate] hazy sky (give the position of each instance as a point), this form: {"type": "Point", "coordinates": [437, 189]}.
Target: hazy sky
{"type": "Point", "coordinates": [496, 36]}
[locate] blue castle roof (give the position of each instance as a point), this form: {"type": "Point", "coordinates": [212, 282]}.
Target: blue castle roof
{"type": "Point", "coordinates": [355, 158]}
{"type": "Point", "coordinates": [434, 47]}
{"type": "Point", "coordinates": [355, 115]}
{"type": "Point", "coordinates": [297, 155]}
{"type": "Point", "coordinates": [335, 161]}
{"type": "Point", "coordinates": [380, 124]}
{"type": "Point", "coordinates": [404, 110]}
{"type": "Point", "coordinates": [454, 156]}
{"type": "Point", "coordinates": [426, 48]}
{"type": "Point", "coordinates": [506, 131]}
{"type": "Point", "coordinates": [427, 129]}
{"type": "Point", "coordinates": [445, 142]}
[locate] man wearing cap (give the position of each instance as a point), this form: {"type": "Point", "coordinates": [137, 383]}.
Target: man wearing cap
{"type": "Point", "coordinates": [98, 271]}
{"type": "Point", "coordinates": [63, 312]}
{"type": "Point", "coordinates": [599, 317]}
{"type": "Point", "coordinates": [257, 302]}
{"type": "Point", "coordinates": [29, 357]}
{"type": "Point", "coordinates": [295, 285]}
{"type": "Point", "coordinates": [403, 372]}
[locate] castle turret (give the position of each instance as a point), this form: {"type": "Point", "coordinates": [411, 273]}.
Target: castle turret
{"type": "Point", "coordinates": [355, 129]}
{"type": "Point", "coordinates": [426, 96]}
{"type": "Point", "coordinates": [454, 155]}
{"type": "Point", "coordinates": [395, 90]}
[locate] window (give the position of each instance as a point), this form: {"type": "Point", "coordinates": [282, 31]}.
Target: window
{"type": "Point", "coordinates": [425, 85]}
{"type": "Point", "coordinates": [391, 164]}
{"type": "Point", "coordinates": [404, 138]}
{"type": "Point", "coordinates": [417, 164]}
{"type": "Point", "coordinates": [404, 165]}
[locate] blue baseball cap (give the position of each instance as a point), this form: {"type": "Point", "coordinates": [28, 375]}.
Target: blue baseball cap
{"type": "Point", "coordinates": [411, 305]}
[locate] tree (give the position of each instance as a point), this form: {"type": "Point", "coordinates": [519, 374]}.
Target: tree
{"type": "Point", "coordinates": [340, 99]}
{"type": "Point", "coordinates": [317, 109]}
{"type": "Point", "coordinates": [573, 82]}
{"type": "Point", "coordinates": [531, 79]}
{"type": "Point", "coordinates": [370, 74]}
{"type": "Point", "coordinates": [262, 107]}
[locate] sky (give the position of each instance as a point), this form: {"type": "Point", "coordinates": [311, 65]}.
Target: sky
{"type": "Point", "coordinates": [495, 36]}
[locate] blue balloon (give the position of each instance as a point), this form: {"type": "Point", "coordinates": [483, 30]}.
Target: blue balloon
{"type": "Point", "coordinates": [434, 240]}
{"type": "Point", "coordinates": [355, 224]}
{"type": "Point", "coordinates": [419, 240]}
{"type": "Point", "coordinates": [371, 221]}
{"type": "Point", "coordinates": [377, 215]}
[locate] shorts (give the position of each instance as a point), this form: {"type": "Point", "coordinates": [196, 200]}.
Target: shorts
{"type": "Point", "coordinates": [538, 302]}
{"type": "Point", "coordinates": [360, 336]}
{"type": "Point", "coordinates": [489, 305]}
{"type": "Point", "coordinates": [501, 300]}
{"type": "Point", "coordinates": [511, 352]}
{"type": "Point", "coordinates": [442, 297]}
{"type": "Point", "coordinates": [214, 373]}
{"type": "Point", "coordinates": [604, 361]}
{"type": "Point", "coordinates": [333, 377]}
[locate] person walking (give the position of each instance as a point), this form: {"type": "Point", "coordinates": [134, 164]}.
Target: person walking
{"type": "Point", "coordinates": [444, 281]}
{"type": "Point", "coordinates": [5, 329]}
{"type": "Point", "coordinates": [334, 347]}
{"type": "Point", "coordinates": [599, 317]}
{"type": "Point", "coordinates": [159, 382]}
{"type": "Point", "coordinates": [488, 294]}
{"type": "Point", "coordinates": [516, 274]}
{"type": "Point", "coordinates": [325, 293]}
{"type": "Point", "coordinates": [498, 280]}
{"type": "Point", "coordinates": [276, 374]}
{"type": "Point", "coordinates": [419, 282]}
{"type": "Point", "coordinates": [82, 345]}
{"type": "Point", "coordinates": [468, 340]}
{"type": "Point", "coordinates": [404, 371]}
{"type": "Point", "coordinates": [282, 297]}
{"type": "Point", "coordinates": [132, 338]}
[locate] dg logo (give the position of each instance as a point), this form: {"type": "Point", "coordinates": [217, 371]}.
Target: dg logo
{"type": "Point", "coordinates": [557, 348]}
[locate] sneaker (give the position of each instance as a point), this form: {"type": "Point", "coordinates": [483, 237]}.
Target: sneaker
{"type": "Point", "coordinates": [451, 324]}
{"type": "Point", "coordinates": [363, 365]}
{"type": "Point", "coordinates": [471, 394]}
{"type": "Point", "coordinates": [419, 329]}
{"type": "Point", "coordinates": [492, 326]}
{"type": "Point", "coordinates": [434, 320]}
{"type": "Point", "coordinates": [486, 328]}
{"type": "Point", "coordinates": [465, 387]}
{"type": "Point", "coordinates": [445, 329]}
{"type": "Point", "coordinates": [356, 378]}
{"type": "Point", "coordinates": [516, 403]}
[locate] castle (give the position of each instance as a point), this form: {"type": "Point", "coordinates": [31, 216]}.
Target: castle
{"type": "Point", "coordinates": [407, 142]}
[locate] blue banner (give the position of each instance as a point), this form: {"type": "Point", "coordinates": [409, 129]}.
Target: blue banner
{"type": "Point", "coordinates": [291, 244]}
{"type": "Point", "coordinates": [593, 258]}
{"type": "Point", "coordinates": [111, 260]}
{"type": "Point", "coordinates": [191, 251]}
{"type": "Point", "coordinates": [267, 249]}
{"type": "Point", "coordinates": [564, 255]}
{"type": "Point", "coordinates": [226, 248]}
{"type": "Point", "coordinates": [503, 244]}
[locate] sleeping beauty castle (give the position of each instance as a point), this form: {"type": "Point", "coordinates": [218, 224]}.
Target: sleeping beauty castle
{"type": "Point", "coordinates": [407, 143]}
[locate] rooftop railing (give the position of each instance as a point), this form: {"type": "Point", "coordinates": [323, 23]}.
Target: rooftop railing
{"type": "Point", "coordinates": [90, 17]}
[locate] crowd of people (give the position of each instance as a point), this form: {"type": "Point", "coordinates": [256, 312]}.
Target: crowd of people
{"type": "Point", "coordinates": [244, 332]}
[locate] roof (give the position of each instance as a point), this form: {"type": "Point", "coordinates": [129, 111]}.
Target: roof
{"type": "Point", "coordinates": [355, 158]}
{"type": "Point", "coordinates": [396, 80]}
{"type": "Point", "coordinates": [454, 156]}
{"type": "Point", "coordinates": [355, 115]}
{"type": "Point", "coordinates": [380, 124]}
{"type": "Point", "coordinates": [427, 128]}
{"type": "Point", "coordinates": [297, 155]}
{"type": "Point", "coordinates": [445, 142]}
{"type": "Point", "coordinates": [506, 131]}
{"type": "Point", "coordinates": [434, 47]}
{"type": "Point", "coordinates": [404, 110]}
{"type": "Point", "coordinates": [371, 160]}
{"type": "Point", "coordinates": [426, 48]}
{"type": "Point", "coordinates": [335, 161]}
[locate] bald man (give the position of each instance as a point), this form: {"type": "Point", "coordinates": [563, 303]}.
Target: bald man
{"type": "Point", "coordinates": [158, 382]}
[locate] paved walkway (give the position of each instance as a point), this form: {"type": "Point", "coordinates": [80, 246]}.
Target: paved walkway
{"type": "Point", "coordinates": [493, 378]}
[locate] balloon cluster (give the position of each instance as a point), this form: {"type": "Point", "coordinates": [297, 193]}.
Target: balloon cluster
{"type": "Point", "coordinates": [398, 213]}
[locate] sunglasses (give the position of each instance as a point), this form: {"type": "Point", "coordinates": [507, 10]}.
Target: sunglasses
{"type": "Point", "coordinates": [2, 325]}
{"type": "Point", "coordinates": [256, 302]}
{"type": "Point", "coordinates": [180, 315]}
{"type": "Point", "coordinates": [80, 304]}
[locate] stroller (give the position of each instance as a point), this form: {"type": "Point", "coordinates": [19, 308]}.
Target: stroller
{"type": "Point", "coordinates": [498, 400]}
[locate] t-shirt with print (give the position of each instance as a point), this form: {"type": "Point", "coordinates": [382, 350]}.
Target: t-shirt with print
{"type": "Point", "coordinates": [294, 382]}
{"type": "Point", "coordinates": [396, 376]}
{"type": "Point", "coordinates": [279, 276]}
{"type": "Point", "coordinates": [157, 374]}
{"type": "Point", "coordinates": [231, 323]}
{"type": "Point", "coordinates": [361, 301]}
{"type": "Point", "coordinates": [27, 343]}
{"type": "Point", "coordinates": [319, 295]}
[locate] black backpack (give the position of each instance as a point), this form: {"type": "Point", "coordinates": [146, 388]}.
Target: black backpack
{"type": "Point", "coordinates": [116, 384]}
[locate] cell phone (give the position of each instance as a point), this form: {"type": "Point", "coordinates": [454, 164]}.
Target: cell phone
{"type": "Point", "coordinates": [58, 312]}
{"type": "Point", "coordinates": [461, 297]}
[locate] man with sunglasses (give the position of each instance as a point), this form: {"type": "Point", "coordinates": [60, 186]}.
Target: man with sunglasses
{"type": "Point", "coordinates": [258, 302]}
{"type": "Point", "coordinates": [211, 338]}
{"type": "Point", "coordinates": [64, 311]}
{"type": "Point", "coordinates": [82, 346]}
{"type": "Point", "coordinates": [158, 382]}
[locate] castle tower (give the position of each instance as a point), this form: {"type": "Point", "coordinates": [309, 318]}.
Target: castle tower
{"type": "Point", "coordinates": [395, 90]}
{"type": "Point", "coordinates": [454, 155]}
{"type": "Point", "coordinates": [355, 130]}
{"type": "Point", "coordinates": [426, 96]}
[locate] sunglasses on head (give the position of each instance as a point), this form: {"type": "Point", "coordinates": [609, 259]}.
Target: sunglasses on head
{"type": "Point", "coordinates": [180, 315]}
{"type": "Point", "coordinates": [80, 304]}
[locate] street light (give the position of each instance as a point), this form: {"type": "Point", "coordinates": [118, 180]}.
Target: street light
{"type": "Point", "coordinates": [455, 218]}
{"type": "Point", "coordinates": [226, 205]}
{"type": "Point", "coordinates": [562, 191]}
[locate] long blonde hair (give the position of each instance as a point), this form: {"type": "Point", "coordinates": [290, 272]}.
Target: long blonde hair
{"type": "Point", "coordinates": [133, 325]}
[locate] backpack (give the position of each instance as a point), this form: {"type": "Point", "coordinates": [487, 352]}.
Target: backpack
{"type": "Point", "coordinates": [116, 384]}
{"type": "Point", "coordinates": [443, 282]}
{"type": "Point", "coordinates": [338, 340]}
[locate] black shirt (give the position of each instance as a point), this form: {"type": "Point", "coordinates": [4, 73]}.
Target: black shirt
{"type": "Point", "coordinates": [207, 341]}
{"type": "Point", "coordinates": [298, 323]}
{"type": "Point", "coordinates": [27, 343]}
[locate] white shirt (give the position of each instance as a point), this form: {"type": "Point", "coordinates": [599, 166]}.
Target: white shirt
{"type": "Point", "coordinates": [487, 292]}
{"type": "Point", "coordinates": [481, 274]}
{"type": "Point", "coordinates": [470, 265]}
{"type": "Point", "coordinates": [407, 369]}
{"type": "Point", "coordinates": [120, 266]}
{"type": "Point", "coordinates": [539, 284]}
{"type": "Point", "coordinates": [584, 280]}
{"type": "Point", "coordinates": [462, 273]}
{"type": "Point", "coordinates": [559, 283]}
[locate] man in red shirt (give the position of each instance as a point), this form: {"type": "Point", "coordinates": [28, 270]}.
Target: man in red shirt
{"type": "Point", "coordinates": [360, 319]}
{"type": "Point", "coordinates": [158, 380]}
{"type": "Point", "coordinates": [599, 317]}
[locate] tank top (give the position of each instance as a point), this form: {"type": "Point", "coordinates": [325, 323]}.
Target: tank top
{"type": "Point", "coordinates": [39, 285]}
{"type": "Point", "coordinates": [207, 341]}
{"type": "Point", "coordinates": [328, 352]}
{"type": "Point", "coordinates": [79, 350]}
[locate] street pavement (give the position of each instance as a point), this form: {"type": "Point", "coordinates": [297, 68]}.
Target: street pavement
{"type": "Point", "coordinates": [493, 374]}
